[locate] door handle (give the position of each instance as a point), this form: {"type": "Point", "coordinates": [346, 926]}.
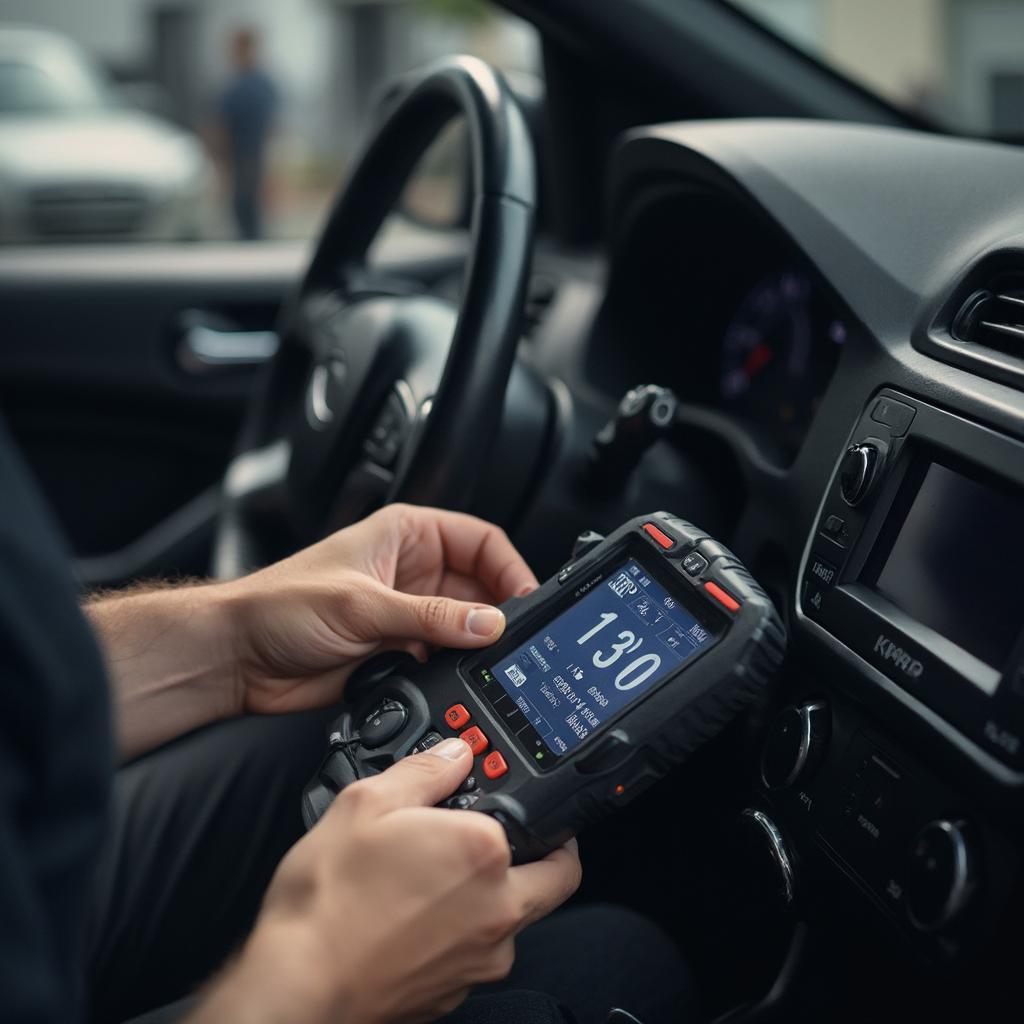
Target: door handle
{"type": "Point", "coordinates": [204, 348]}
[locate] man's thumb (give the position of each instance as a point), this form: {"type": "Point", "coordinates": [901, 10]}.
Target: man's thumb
{"type": "Point", "coordinates": [442, 621]}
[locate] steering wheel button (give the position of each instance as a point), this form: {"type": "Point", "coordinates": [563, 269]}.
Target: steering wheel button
{"type": "Point", "coordinates": [724, 599]}
{"type": "Point", "coordinates": [494, 765]}
{"type": "Point", "coordinates": [456, 716]}
{"type": "Point", "coordinates": [477, 741]}
{"type": "Point", "coordinates": [659, 537]}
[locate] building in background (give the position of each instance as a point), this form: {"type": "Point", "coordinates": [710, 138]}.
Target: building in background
{"type": "Point", "coordinates": [960, 62]}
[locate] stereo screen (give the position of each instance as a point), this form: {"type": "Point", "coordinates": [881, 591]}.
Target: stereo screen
{"type": "Point", "coordinates": [956, 564]}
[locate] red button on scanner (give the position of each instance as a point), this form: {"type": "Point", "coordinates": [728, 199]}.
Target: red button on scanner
{"type": "Point", "coordinates": [456, 716]}
{"type": "Point", "coordinates": [662, 538]}
{"type": "Point", "coordinates": [475, 738]}
{"type": "Point", "coordinates": [494, 765]}
{"type": "Point", "coordinates": [724, 599]}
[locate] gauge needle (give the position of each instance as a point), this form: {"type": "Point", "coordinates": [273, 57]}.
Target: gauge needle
{"type": "Point", "coordinates": [757, 359]}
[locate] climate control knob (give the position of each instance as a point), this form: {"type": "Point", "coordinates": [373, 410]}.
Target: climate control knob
{"type": "Point", "coordinates": [764, 869]}
{"type": "Point", "coordinates": [857, 471]}
{"type": "Point", "coordinates": [940, 877]}
{"type": "Point", "coordinates": [795, 745]}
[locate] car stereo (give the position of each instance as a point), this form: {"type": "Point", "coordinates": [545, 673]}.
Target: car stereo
{"type": "Point", "coordinates": [916, 560]}
{"type": "Point", "coordinates": [607, 676]}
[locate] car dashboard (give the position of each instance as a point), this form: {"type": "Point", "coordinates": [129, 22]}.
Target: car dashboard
{"type": "Point", "coordinates": [725, 312]}
{"type": "Point", "coordinates": [837, 314]}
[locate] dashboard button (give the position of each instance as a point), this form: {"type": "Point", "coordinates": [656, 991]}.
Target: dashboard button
{"type": "Point", "coordinates": [834, 528]}
{"type": "Point", "coordinates": [895, 415]}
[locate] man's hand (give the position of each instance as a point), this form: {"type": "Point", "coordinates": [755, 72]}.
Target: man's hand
{"type": "Point", "coordinates": [405, 577]}
{"type": "Point", "coordinates": [390, 909]}
{"type": "Point", "coordinates": [288, 637]}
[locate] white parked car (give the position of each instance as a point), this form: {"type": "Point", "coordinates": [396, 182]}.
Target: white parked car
{"type": "Point", "coordinates": [76, 164]}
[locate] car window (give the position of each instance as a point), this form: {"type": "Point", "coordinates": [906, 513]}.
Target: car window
{"type": "Point", "coordinates": [125, 121]}
{"type": "Point", "coordinates": [956, 63]}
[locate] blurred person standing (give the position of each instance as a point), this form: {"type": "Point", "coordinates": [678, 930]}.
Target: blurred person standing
{"type": "Point", "coordinates": [246, 110]}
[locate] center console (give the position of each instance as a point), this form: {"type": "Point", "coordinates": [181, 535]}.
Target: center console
{"type": "Point", "coordinates": [915, 566]}
{"type": "Point", "coordinates": [910, 580]}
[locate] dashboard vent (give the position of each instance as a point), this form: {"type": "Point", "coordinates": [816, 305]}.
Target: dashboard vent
{"type": "Point", "coordinates": [987, 332]}
{"type": "Point", "coordinates": [993, 319]}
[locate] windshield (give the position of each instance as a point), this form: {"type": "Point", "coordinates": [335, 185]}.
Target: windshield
{"type": "Point", "coordinates": [957, 63]}
{"type": "Point", "coordinates": [56, 83]}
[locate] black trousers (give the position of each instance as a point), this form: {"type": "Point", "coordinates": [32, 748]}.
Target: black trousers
{"type": "Point", "coordinates": [197, 830]}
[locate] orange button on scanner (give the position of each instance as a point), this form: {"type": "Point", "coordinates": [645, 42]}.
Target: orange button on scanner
{"type": "Point", "coordinates": [475, 738]}
{"type": "Point", "coordinates": [456, 716]}
{"type": "Point", "coordinates": [661, 538]}
{"type": "Point", "coordinates": [494, 765]}
{"type": "Point", "coordinates": [724, 599]}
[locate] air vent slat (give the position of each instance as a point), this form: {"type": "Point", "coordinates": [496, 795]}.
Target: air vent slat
{"type": "Point", "coordinates": [981, 326]}
{"type": "Point", "coordinates": [1012, 330]}
{"type": "Point", "coordinates": [989, 329]}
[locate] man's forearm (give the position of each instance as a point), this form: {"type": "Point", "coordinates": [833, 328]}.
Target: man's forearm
{"type": "Point", "coordinates": [171, 661]}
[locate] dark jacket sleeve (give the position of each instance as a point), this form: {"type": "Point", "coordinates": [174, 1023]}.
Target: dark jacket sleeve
{"type": "Point", "coordinates": [56, 759]}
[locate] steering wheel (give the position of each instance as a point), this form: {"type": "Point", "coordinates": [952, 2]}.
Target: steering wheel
{"type": "Point", "coordinates": [379, 393]}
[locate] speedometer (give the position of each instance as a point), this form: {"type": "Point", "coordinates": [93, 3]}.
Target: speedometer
{"type": "Point", "coordinates": [778, 353]}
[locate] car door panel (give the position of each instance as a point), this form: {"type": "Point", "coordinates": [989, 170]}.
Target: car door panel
{"type": "Point", "coordinates": [121, 426]}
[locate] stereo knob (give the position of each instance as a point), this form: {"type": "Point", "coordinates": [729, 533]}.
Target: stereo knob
{"type": "Point", "coordinates": [795, 745]}
{"type": "Point", "coordinates": [940, 877]}
{"type": "Point", "coordinates": [857, 472]}
{"type": "Point", "coordinates": [767, 872]}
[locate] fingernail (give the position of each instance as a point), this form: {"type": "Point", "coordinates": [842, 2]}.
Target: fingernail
{"type": "Point", "coordinates": [528, 589]}
{"type": "Point", "coordinates": [451, 749]}
{"type": "Point", "coordinates": [484, 621]}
